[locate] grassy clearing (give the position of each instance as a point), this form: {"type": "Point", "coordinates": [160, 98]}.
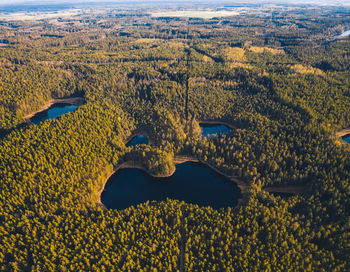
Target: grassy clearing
{"type": "Point", "coordinates": [258, 49]}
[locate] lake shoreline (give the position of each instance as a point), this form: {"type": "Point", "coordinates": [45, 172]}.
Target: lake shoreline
{"type": "Point", "coordinates": [136, 133]}
{"type": "Point", "coordinates": [243, 186]}
{"type": "Point", "coordinates": [177, 160]}
{"type": "Point", "coordinates": [78, 101]}
{"type": "Point", "coordinates": [214, 122]}
{"type": "Point", "coordinates": [290, 189]}
{"type": "Point", "coordinates": [342, 133]}
{"type": "Point", "coordinates": [128, 165]}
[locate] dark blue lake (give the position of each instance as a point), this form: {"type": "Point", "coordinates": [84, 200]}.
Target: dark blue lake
{"type": "Point", "coordinates": [213, 129]}
{"type": "Point", "coordinates": [346, 138]}
{"type": "Point", "coordinates": [282, 194]}
{"type": "Point", "coordinates": [137, 140]}
{"type": "Point", "coordinates": [53, 112]}
{"type": "Point", "coordinates": [192, 182]}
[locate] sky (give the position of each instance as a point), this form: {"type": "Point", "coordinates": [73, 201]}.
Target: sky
{"type": "Point", "coordinates": [333, 2]}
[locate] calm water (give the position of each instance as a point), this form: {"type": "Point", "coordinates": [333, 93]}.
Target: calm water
{"type": "Point", "coordinates": [346, 138]}
{"type": "Point", "coordinates": [137, 140]}
{"type": "Point", "coordinates": [213, 129]}
{"type": "Point", "coordinates": [53, 112]}
{"type": "Point", "coordinates": [283, 195]}
{"type": "Point", "coordinates": [192, 182]}
{"type": "Point", "coordinates": [2, 133]}
{"type": "Point", "coordinates": [344, 34]}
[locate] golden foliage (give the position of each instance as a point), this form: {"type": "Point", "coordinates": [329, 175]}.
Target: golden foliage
{"type": "Point", "coordinates": [207, 59]}
{"type": "Point", "coordinates": [234, 54]}
{"type": "Point", "coordinates": [301, 69]}
{"type": "Point", "coordinates": [262, 49]}
{"type": "Point", "coordinates": [147, 40]}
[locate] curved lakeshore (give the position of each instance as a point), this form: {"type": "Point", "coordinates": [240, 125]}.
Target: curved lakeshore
{"type": "Point", "coordinates": [77, 101]}
{"type": "Point", "coordinates": [215, 122]}
{"type": "Point", "coordinates": [343, 132]}
{"type": "Point", "coordinates": [290, 189]}
{"type": "Point", "coordinates": [180, 159]}
{"type": "Point", "coordinates": [344, 135]}
{"type": "Point", "coordinates": [127, 165]}
{"type": "Point", "coordinates": [214, 128]}
{"type": "Point", "coordinates": [137, 140]}
{"type": "Point", "coordinates": [243, 186]}
{"type": "Point", "coordinates": [136, 133]}
{"type": "Point", "coordinates": [192, 182]}
{"type": "Point", "coordinates": [177, 160]}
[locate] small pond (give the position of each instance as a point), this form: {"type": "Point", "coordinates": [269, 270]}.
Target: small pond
{"type": "Point", "coordinates": [137, 140]}
{"type": "Point", "coordinates": [3, 133]}
{"type": "Point", "coordinates": [346, 138]}
{"type": "Point", "coordinates": [283, 194]}
{"type": "Point", "coordinates": [213, 129]}
{"type": "Point", "coordinates": [192, 182]}
{"type": "Point", "coordinates": [53, 112]}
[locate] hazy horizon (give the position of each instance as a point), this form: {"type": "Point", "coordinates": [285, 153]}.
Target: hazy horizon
{"type": "Point", "coordinates": [50, 2]}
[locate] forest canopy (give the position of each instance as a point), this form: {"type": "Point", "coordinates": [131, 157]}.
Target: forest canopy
{"type": "Point", "coordinates": [274, 74]}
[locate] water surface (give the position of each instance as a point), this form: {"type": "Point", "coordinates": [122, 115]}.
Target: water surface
{"type": "Point", "coordinates": [344, 34]}
{"type": "Point", "coordinates": [53, 112]}
{"type": "Point", "coordinates": [283, 195]}
{"type": "Point", "coordinates": [138, 140]}
{"type": "Point", "coordinates": [213, 129]}
{"type": "Point", "coordinates": [192, 182]}
{"type": "Point", "coordinates": [346, 138]}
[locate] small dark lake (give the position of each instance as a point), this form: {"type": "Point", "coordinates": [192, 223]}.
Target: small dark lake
{"type": "Point", "coordinates": [346, 138]}
{"type": "Point", "coordinates": [2, 133]}
{"type": "Point", "coordinates": [53, 112]}
{"type": "Point", "coordinates": [283, 194]}
{"type": "Point", "coordinates": [137, 140]}
{"type": "Point", "coordinates": [213, 129]}
{"type": "Point", "coordinates": [192, 182]}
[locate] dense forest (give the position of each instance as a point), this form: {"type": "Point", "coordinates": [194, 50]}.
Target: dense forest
{"type": "Point", "coordinates": [275, 75]}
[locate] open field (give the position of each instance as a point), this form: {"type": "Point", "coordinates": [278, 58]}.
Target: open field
{"type": "Point", "coordinates": [205, 14]}
{"type": "Point", "coordinates": [29, 16]}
